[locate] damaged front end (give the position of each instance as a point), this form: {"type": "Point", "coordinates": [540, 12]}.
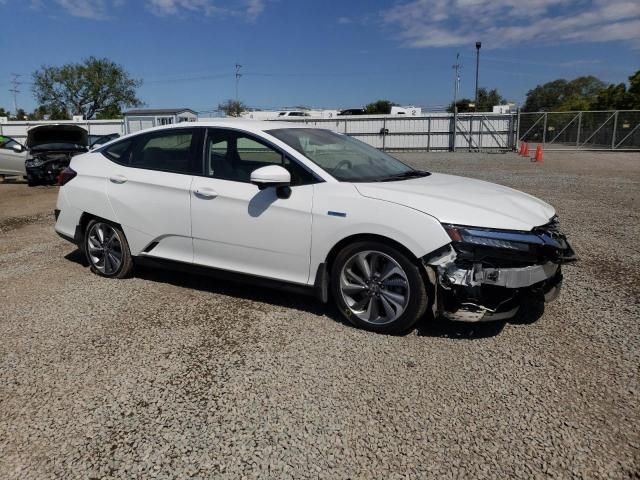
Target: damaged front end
{"type": "Point", "coordinates": [51, 148]}
{"type": "Point", "coordinates": [484, 274]}
{"type": "Point", "coordinates": [44, 167]}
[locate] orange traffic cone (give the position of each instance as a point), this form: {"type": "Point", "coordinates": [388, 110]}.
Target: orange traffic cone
{"type": "Point", "coordinates": [525, 150]}
{"type": "Point", "coordinates": [521, 149]}
{"type": "Point", "coordinates": [539, 155]}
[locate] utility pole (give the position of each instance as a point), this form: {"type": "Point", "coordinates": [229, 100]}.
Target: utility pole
{"type": "Point", "coordinates": [456, 86]}
{"type": "Point", "coordinates": [238, 75]}
{"type": "Point", "coordinates": [14, 89]}
{"type": "Point", "coordinates": [478, 45]}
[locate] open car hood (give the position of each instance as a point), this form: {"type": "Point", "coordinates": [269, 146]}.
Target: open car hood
{"type": "Point", "coordinates": [57, 137]}
{"type": "Point", "coordinates": [464, 201]}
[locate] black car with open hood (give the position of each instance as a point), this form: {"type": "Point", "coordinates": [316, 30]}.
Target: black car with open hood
{"type": "Point", "coordinates": [51, 148]}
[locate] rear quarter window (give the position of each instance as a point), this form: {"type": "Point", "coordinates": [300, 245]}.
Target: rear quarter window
{"type": "Point", "coordinates": [119, 152]}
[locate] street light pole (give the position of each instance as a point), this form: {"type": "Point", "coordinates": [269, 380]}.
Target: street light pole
{"type": "Point", "coordinates": [478, 45]}
{"type": "Point", "coordinates": [456, 85]}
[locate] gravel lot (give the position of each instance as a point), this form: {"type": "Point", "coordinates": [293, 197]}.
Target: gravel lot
{"type": "Point", "coordinates": [168, 375]}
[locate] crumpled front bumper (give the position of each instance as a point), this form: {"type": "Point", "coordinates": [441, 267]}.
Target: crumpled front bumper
{"type": "Point", "coordinates": [480, 293]}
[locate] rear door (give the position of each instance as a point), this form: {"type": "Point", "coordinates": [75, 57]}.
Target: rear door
{"type": "Point", "coordinates": [149, 190]}
{"type": "Point", "coordinates": [11, 162]}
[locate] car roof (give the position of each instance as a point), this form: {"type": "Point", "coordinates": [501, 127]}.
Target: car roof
{"type": "Point", "coordinates": [255, 126]}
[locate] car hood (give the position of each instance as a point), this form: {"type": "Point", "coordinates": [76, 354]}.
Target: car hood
{"type": "Point", "coordinates": [464, 201]}
{"type": "Point", "coordinates": [57, 137]}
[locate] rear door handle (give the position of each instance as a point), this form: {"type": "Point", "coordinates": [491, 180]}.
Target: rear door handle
{"type": "Point", "coordinates": [205, 193]}
{"type": "Point", "coordinates": [118, 179]}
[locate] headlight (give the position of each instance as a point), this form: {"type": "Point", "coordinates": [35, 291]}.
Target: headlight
{"type": "Point", "coordinates": [35, 162]}
{"type": "Point", "coordinates": [518, 241]}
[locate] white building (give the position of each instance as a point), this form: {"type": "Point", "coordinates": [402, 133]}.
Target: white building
{"type": "Point", "coordinates": [141, 119]}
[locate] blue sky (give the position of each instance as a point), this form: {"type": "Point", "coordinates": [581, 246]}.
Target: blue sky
{"type": "Point", "coordinates": [322, 53]}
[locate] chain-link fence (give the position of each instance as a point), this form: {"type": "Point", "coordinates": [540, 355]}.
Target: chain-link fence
{"type": "Point", "coordinates": [610, 130]}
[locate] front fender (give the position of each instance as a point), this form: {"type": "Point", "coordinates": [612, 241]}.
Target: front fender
{"type": "Point", "coordinates": [339, 212]}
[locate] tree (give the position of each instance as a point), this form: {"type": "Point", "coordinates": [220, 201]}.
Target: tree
{"type": "Point", "coordinates": [563, 95]}
{"type": "Point", "coordinates": [618, 97]}
{"type": "Point", "coordinates": [232, 108]}
{"type": "Point", "coordinates": [4, 113]}
{"type": "Point", "coordinates": [464, 105]}
{"type": "Point", "coordinates": [487, 99]}
{"type": "Point", "coordinates": [85, 88]}
{"type": "Point", "coordinates": [110, 113]}
{"type": "Point", "coordinates": [380, 107]}
{"type": "Point", "coordinates": [20, 115]}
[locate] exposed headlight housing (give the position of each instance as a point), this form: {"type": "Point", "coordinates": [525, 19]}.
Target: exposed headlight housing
{"type": "Point", "coordinates": [34, 162]}
{"type": "Point", "coordinates": [544, 243]}
{"type": "Point", "coordinates": [493, 238]}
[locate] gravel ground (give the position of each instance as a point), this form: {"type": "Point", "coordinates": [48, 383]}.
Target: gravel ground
{"type": "Point", "coordinates": [169, 375]}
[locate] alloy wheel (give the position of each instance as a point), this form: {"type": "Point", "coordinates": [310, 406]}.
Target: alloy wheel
{"type": "Point", "coordinates": [375, 287]}
{"type": "Point", "coordinates": [104, 248]}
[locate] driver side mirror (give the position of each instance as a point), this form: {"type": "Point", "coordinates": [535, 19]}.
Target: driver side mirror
{"type": "Point", "coordinates": [18, 148]}
{"type": "Point", "coordinates": [273, 176]}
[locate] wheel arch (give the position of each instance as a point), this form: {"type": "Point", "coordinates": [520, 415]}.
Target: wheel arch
{"type": "Point", "coordinates": [362, 237]}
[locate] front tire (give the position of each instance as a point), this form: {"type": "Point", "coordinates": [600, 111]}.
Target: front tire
{"type": "Point", "coordinates": [377, 287]}
{"type": "Point", "coordinates": [107, 250]}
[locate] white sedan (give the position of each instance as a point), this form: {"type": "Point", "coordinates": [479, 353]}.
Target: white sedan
{"type": "Point", "coordinates": [312, 208]}
{"type": "Point", "coordinates": [12, 157]}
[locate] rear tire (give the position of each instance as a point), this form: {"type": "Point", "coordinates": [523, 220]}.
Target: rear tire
{"type": "Point", "coordinates": [377, 287]}
{"type": "Point", "coordinates": [106, 249]}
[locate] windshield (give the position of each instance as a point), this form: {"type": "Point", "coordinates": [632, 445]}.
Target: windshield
{"type": "Point", "coordinates": [345, 158]}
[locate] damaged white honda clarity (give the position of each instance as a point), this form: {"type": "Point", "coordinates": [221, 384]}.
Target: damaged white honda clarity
{"type": "Point", "coordinates": [288, 205]}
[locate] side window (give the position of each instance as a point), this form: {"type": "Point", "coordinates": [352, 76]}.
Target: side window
{"type": "Point", "coordinates": [233, 156]}
{"type": "Point", "coordinates": [119, 152]}
{"type": "Point", "coordinates": [251, 151]}
{"type": "Point", "coordinates": [169, 151]}
{"type": "Point", "coordinates": [8, 143]}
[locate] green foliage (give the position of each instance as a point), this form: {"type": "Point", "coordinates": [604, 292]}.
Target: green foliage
{"type": "Point", "coordinates": [562, 95]}
{"type": "Point", "coordinates": [109, 113]}
{"type": "Point", "coordinates": [232, 108]}
{"type": "Point", "coordinates": [380, 107]}
{"type": "Point", "coordinates": [486, 101]}
{"type": "Point", "coordinates": [20, 115]}
{"type": "Point", "coordinates": [86, 88]}
{"type": "Point", "coordinates": [464, 105]}
{"type": "Point", "coordinates": [4, 113]}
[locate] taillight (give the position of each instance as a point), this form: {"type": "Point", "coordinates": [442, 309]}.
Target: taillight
{"type": "Point", "coordinates": [66, 175]}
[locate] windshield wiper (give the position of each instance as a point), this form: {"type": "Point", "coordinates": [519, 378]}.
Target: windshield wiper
{"type": "Point", "coordinates": [404, 176]}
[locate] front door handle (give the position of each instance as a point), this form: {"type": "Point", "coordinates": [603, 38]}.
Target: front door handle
{"type": "Point", "coordinates": [118, 179]}
{"type": "Point", "coordinates": [206, 193]}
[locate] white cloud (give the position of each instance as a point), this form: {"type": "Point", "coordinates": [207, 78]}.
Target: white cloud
{"type": "Point", "coordinates": [344, 20]}
{"type": "Point", "coordinates": [251, 9]}
{"type": "Point", "coordinates": [173, 7]}
{"type": "Point", "coordinates": [93, 9]}
{"type": "Point", "coordinates": [502, 23]}
{"type": "Point", "coordinates": [254, 9]}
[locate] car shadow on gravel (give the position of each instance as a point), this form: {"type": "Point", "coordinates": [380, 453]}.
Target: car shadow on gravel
{"type": "Point", "coordinates": [197, 280]}
{"type": "Point", "coordinates": [530, 312]}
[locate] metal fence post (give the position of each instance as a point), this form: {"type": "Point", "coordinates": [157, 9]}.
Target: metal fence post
{"type": "Point", "coordinates": [615, 127]}
{"type": "Point", "coordinates": [470, 131]}
{"type": "Point", "coordinates": [384, 133]}
{"type": "Point", "coordinates": [517, 142]}
{"type": "Point", "coordinates": [579, 126]}
{"type": "Point", "coordinates": [455, 127]}
{"type": "Point", "coordinates": [544, 128]}
{"type": "Point", "coordinates": [429, 134]}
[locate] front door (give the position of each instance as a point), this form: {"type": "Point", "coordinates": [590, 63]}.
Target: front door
{"type": "Point", "coordinates": [11, 162]}
{"type": "Point", "coordinates": [237, 227]}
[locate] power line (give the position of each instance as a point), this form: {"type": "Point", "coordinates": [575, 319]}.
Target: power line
{"type": "Point", "coordinates": [14, 89]}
